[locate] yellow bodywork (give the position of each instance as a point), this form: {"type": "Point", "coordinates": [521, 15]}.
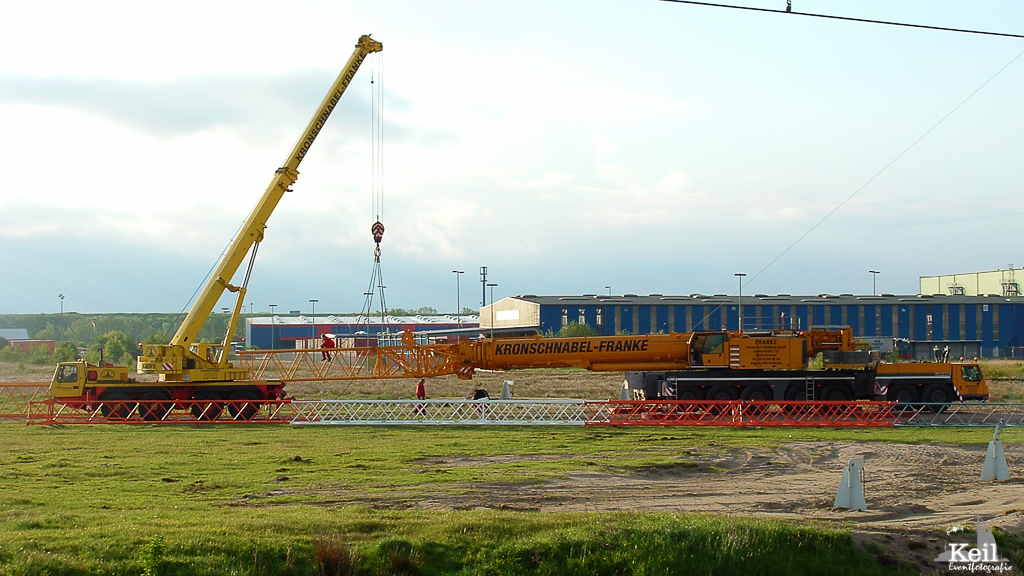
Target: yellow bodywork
{"type": "Point", "coordinates": [70, 379]}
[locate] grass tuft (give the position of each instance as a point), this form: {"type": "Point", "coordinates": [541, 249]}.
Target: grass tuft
{"type": "Point", "coordinates": [334, 556]}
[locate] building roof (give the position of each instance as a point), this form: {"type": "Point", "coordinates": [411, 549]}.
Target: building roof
{"type": "Point", "coordinates": [762, 299]}
{"type": "Point", "coordinates": [14, 333]}
{"type": "Point", "coordinates": [333, 320]}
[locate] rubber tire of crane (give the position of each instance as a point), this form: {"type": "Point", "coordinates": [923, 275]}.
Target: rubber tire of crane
{"type": "Point", "coordinates": [906, 397]}
{"type": "Point", "coordinates": [903, 393]}
{"type": "Point", "coordinates": [836, 393]}
{"type": "Point", "coordinates": [156, 411]}
{"type": "Point", "coordinates": [690, 393]}
{"type": "Point", "coordinates": [246, 412]}
{"type": "Point", "coordinates": [797, 393]}
{"type": "Point", "coordinates": [938, 396]}
{"type": "Point", "coordinates": [116, 405]}
{"type": "Point", "coordinates": [759, 393]}
{"type": "Point", "coordinates": [210, 409]}
{"type": "Point", "coordinates": [722, 392]}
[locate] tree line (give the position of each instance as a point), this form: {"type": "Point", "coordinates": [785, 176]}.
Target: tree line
{"type": "Point", "coordinates": [117, 336]}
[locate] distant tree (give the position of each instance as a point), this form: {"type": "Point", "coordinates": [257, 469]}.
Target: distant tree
{"type": "Point", "coordinates": [4, 342]}
{"type": "Point", "coordinates": [574, 330]}
{"type": "Point", "coordinates": [115, 347]}
{"type": "Point", "coordinates": [159, 338]}
{"type": "Point", "coordinates": [51, 332]}
{"type": "Point", "coordinates": [469, 311]}
{"type": "Point", "coordinates": [65, 352]}
{"type": "Point", "coordinates": [426, 311]}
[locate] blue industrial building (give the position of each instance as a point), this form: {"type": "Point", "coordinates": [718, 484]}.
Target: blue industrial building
{"type": "Point", "coordinates": [279, 332]}
{"type": "Point", "coordinates": [970, 326]}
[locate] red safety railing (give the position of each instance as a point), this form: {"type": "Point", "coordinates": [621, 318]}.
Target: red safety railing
{"type": "Point", "coordinates": [742, 413]}
{"type": "Point", "coordinates": [16, 398]}
{"type": "Point", "coordinates": [50, 412]}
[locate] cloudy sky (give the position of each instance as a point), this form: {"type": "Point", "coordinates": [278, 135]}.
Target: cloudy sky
{"type": "Point", "coordinates": [568, 146]}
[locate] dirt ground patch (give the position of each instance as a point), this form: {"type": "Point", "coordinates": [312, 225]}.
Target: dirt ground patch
{"type": "Point", "coordinates": [915, 493]}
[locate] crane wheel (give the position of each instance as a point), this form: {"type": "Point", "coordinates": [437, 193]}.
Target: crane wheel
{"type": "Point", "coordinates": [208, 406]}
{"type": "Point", "coordinates": [722, 392]}
{"type": "Point", "coordinates": [836, 393]}
{"type": "Point", "coordinates": [797, 393]}
{"type": "Point", "coordinates": [158, 409]}
{"type": "Point", "coordinates": [116, 405]}
{"type": "Point", "coordinates": [244, 405]}
{"type": "Point", "coordinates": [904, 393]}
{"type": "Point", "coordinates": [906, 397]}
{"type": "Point", "coordinates": [756, 393]}
{"type": "Point", "coordinates": [690, 393]}
{"type": "Point", "coordinates": [938, 396]}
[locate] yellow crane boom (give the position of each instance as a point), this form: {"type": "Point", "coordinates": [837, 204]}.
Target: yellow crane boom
{"type": "Point", "coordinates": [176, 361]}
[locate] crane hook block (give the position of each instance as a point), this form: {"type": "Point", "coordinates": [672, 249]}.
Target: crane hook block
{"type": "Point", "coordinates": [378, 231]}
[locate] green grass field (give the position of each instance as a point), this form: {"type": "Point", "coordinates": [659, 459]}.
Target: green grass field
{"type": "Point", "coordinates": [239, 500]}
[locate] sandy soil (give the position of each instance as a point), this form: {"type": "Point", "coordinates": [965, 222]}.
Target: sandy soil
{"type": "Point", "coordinates": [915, 493]}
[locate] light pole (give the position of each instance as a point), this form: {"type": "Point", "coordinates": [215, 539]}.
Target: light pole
{"type": "Point", "coordinates": [874, 274]}
{"type": "Point", "coordinates": [61, 296]}
{"type": "Point", "coordinates": [483, 285]}
{"type": "Point", "coordinates": [313, 301]}
{"type": "Point", "coordinates": [609, 290]}
{"type": "Point", "coordinates": [492, 307]}
{"type": "Point", "coordinates": [273, 324]}
{"type": "Point", "coordinates": [739, 300]}
{"type": "Point", "coordinates": [458, 299]}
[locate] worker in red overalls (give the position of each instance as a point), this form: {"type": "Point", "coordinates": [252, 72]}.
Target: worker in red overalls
{"type": "Point", "coordinates": [421, 394]}
{"type": "Point", "coordinates": [326, 342]}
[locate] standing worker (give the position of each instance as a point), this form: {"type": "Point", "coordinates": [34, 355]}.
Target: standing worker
{"type": "Point", "coordinates": [326, 342]}
{"type": "Point", "coordinates": [421, 394]}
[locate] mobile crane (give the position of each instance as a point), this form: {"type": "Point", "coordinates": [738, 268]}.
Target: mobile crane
{"type": "Point", "coordinates": [190, 370]}
{"type": "Point", "coordinates": [721, 365]}
{"type": "Point", "coordinates": [710, 365]}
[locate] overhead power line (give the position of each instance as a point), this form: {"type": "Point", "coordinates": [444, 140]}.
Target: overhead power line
{"type": "Point", "coordinates": [846, 18]}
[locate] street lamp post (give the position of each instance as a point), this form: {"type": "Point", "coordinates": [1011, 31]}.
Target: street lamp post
{"type": "Point", "coordinates": [492, 307]}
{"type": "Point", "coordinates": [313, 301]}
{"type": "Point", "coordinates": [874, 275]}
{"type": "Point", "coordinates": [458, 298]}
{"type": "Point", "coordinates": [273, 324]}
{"type": "Point", "coordinates": [483, 285]}
{"type": "Point", "coordinates": [739, 300]}
{"type": "Point", "coordinates": [61, 296]}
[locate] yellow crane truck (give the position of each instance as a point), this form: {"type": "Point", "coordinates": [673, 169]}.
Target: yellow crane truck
{"type": "Point", "coordinates": [186, 369]}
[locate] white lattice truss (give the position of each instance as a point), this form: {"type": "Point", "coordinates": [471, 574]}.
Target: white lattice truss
{"type": "Point", "coordinates": [457, 412]}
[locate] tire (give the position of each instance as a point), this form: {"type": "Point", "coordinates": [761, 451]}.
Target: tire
{"type": "Point", "coordinates": [116, 405]}
{"type": "Point", "coordinates": [722, 392]}
{"type": "Point", "coordinates": [246, 411]}
{"type": "Point", "coordinates": [759, 392]}
{"type": "Point", "coordinates": [159, 409]}
{"type": "Point", "coordinates": [797, 393]}
{"type": "Point", "coordinates": [690, 393]}
{"type": "Point", "coordinates": [939, 396]}
{"type": "Point", "coordinates": [904, 393]}
{"type": "Point", "coordinates": [210, 409]}
{"type": "Point", "coordinates": [836, 393]}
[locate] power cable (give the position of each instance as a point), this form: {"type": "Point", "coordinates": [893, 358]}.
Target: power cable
{"type": "Point", "coordinates": [876, 175]}
{"type": "Point", "coordinates": [886, 167]}
{"type": "Point", "coordinates": [847, 18]}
